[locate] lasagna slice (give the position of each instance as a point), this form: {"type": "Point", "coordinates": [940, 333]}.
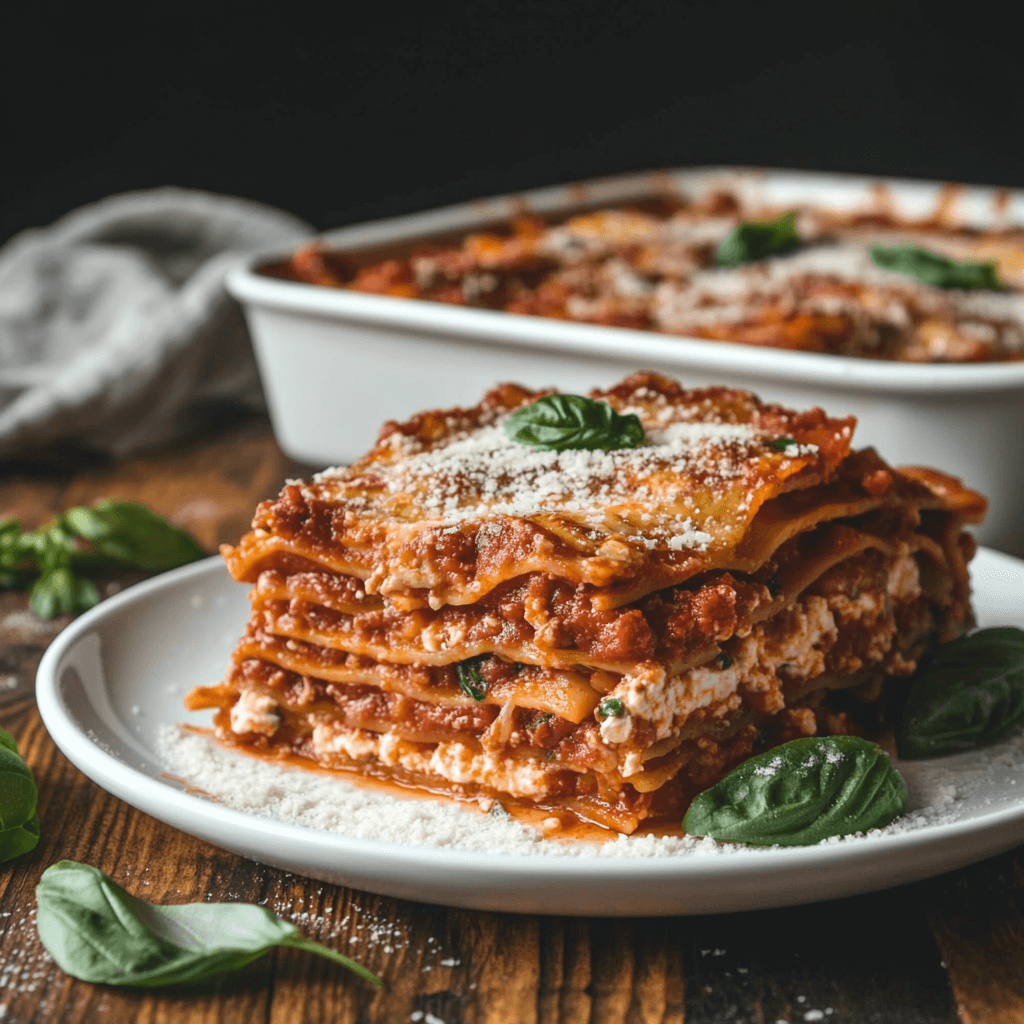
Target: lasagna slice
{"type": "Point", "coordinates": [603, 634]}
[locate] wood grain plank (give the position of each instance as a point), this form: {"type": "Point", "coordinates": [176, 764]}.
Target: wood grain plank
{"type": "Point", "coordinates": [658, 996]}
{"type": "Point", "coordinates": [867, 958]}
{"type": "Point", "coordinates": [23, 638]}
{"type": "Point", "coordinates": [978, 923]}
{"type": "Point", "coordinates": [359, 925]}
{"type": "Point", "coordinates": [565, 995]}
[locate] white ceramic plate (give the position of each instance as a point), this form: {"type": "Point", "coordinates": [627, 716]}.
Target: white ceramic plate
{"type": "Point", "coordinates": [117, 675]}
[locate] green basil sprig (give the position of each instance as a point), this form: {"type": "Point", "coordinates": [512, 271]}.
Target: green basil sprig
{"type": "Point", "coordinates": [110, 536]}
{"type": "Point", "coordinates": [931, 268]}
{"type": "Point", "coordinates": [970, 695]}
{"type": "Point", "coordinates": [19, 823]}
{"type": "Point", "coordinates": [471, 682]}
{"type": "Point", "coordinates": [800, 793]}
{"type": "Point", "coordinates": [132, 534]}
{"type": "Point", "coordinates": [757, 240]}
{"type": "Point", "coordinates": [97, 932]}
{"type": "Point", "coordinates": [558, 423]}
{"type": "Point", "coordinates": [10, 553]}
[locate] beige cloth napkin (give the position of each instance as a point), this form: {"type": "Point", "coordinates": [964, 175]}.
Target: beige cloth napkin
{"type": "Point", "coordinates": [115, 329]}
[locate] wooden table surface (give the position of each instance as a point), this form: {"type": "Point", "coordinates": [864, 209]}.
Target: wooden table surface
{"type": "Point", "coordinates": [939, 951]}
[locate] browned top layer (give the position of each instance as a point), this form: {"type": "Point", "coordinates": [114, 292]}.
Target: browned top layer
{"type": "Point", "coordinates": [445, 507]}
{"type": "Point", "coordinates": [446, 503]}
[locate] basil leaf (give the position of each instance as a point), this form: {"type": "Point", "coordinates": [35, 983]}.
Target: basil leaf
{"type": "Point", "coordinates": [610, 707]}
{"type": "Point", "coordinates": [58, 591]}
{"type": "Point", "coordinates": [118, 532]}
{"type": "Point", "coordinates": [97, 932]}
{"type": "Point", "coordinates": [19, 839]}
{"type": "Point", "coordinates": [46, 547]}
{"type": "Point", "coordinates": [558, 423]}
{"type": "Point", "coordinates": [756, 240]}
{"type": "Point", "coordinates": [122, 532]}
{"type": "Point", "coordinates": [17, 789]}
{"type": "Point", "coordinates": [132, 534]}
{"type": "Point", "coordinates": [49, 550]}
{"type": "Point", "coordinates": [19, 823]}
{"type": "Point", "coordinates": [50, 547]}
{"type": "Point", "coordinates": [11, 553]}
{"type": "Point", "coordinates": [931, 268]}
{"type": "Point", "coordinates": [971, 694]}
{"type": "Point", "coordinates": [800, 793]}
{"type": "Point", "coordinates": [470, 681]}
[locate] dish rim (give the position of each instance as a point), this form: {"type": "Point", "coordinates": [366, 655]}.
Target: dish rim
{"type": "Point", "coordinates": [497, 327]}
{"type": "Point", "coordinates": [123, 780]}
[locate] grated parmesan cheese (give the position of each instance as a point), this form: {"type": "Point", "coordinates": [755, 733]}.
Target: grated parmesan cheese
{"type": "Point", "coordinates": [941, 792]}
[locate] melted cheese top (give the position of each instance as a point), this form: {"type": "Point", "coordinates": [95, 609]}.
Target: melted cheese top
{"type": "Point", "coordinates": [446, 497]}
{"type": "Point", "coordinates": [446, 507]}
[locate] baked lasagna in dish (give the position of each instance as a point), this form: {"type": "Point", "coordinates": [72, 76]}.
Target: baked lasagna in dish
{"type": "Point", "coordinates": [604, 633]}
{"type": "Point", "coordinates": [866, 285]}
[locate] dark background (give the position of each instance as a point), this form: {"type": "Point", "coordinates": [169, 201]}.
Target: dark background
{"type": "Point", "coordinates": [342, 114]}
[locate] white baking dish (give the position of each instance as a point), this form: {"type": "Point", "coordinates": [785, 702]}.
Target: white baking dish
{"type": "Point", "coordinates": [335, 364]}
